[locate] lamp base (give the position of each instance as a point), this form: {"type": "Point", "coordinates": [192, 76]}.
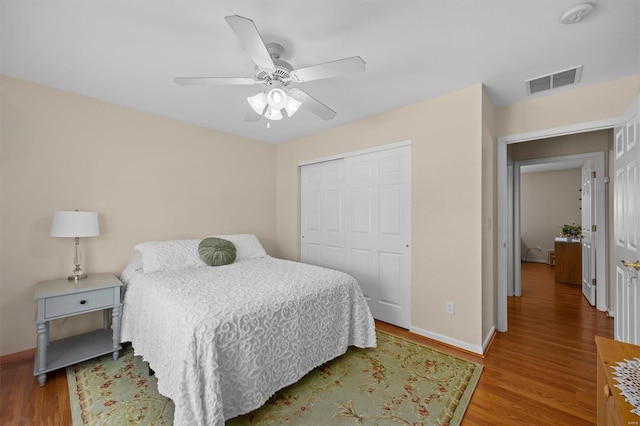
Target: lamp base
{"type": "Point", "coordinates": [77, 277]}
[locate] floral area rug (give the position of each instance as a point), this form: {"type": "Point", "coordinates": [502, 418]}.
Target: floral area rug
{"type": "Point", "coordinates": [399, 382]}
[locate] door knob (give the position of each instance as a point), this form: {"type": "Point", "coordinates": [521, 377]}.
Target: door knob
{"type": "Point", "coordinates": [635, 264]}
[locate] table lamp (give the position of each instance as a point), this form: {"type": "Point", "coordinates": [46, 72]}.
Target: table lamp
{"type": "Point", "coordinates": [75, 224]}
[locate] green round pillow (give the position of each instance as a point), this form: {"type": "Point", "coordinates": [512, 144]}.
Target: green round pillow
{"type": "Point", "coordinates": [216, 251]}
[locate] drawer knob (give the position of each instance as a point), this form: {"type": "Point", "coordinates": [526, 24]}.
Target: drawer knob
{"type": "Point", "coordinates": [607, 391]}
{"type": "Point", "coordinates": [82, 302]}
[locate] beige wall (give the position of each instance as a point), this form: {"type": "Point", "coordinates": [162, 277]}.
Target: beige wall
{"type": "Point", "coordinates": [148, 178]}
{"type": "Point", "coordinates": [547, 201]}
{"type": "Point", "coordinates": [447, 182]}
{"type": "Point", "coordinates": [152, 178]}
{"type": "Point", "coordinates": [577, 106]}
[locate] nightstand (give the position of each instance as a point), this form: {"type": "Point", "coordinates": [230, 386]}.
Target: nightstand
{"type": "Point", "coordinates": [64, 298]}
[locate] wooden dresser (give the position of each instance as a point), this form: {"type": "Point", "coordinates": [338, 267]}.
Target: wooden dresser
{"type": "Point", "coordinates": [613, 409]}
{"type": "Point", "coordinates": [568, 267]}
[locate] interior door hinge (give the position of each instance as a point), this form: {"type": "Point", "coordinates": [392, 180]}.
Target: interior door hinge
{"type": "Point", "coordinates": [593, 282]}
{"type": "Point", "coordinates": [593, 228]}
{"type": "Point", "coordinates": [593, 175]}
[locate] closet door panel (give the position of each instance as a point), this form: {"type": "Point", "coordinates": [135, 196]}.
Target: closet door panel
{"type": "Point", "coordinates": [356, 217]}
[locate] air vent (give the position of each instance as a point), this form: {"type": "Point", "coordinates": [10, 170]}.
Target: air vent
{"type": "Point", "coordinates": [553, 81]}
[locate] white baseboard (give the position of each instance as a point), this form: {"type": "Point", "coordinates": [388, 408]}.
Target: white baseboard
{"type": "Point", "coordinates": [534, 260]}
{"type": "Point", "coordinates": [487, 339]}
{"type": "Point", "coordinates": [448, 340]}
{"type": "Point", "coordinates": [611, 313]}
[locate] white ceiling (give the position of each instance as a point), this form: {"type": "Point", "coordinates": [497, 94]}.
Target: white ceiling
{"type": "Point", "coordinates": [128, 52]}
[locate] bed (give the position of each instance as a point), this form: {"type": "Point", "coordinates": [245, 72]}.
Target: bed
{"type": "Point", "coordinates": [223, 339]}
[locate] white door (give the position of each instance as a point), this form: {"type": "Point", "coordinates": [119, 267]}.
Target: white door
{"type": "Point", "coordinates": [379, 231]}
{"type": "Point", "coordinates": [588, 249]}
{"type": "Point", "coordinates": [322, 221]}
{"type": "Point", "coordinates": [356, 217]}
{"type": "Point", "coordinates": [627, 225]}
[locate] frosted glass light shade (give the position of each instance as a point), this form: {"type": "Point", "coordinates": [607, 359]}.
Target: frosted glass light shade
{"type": "Point", "coordinates": [258, 102]}
{"type": "Point", "coordinates": [273, 114]}
{"type": "Point", "coordinates": [277, 98]}
{"type": "Point", "coordinates": [73, 224]}
{"type": "Point", "coordinates": [292, 106]}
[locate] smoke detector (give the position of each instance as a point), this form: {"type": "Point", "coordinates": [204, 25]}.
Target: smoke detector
{"type": "Point", "coordinates": [575, 13]}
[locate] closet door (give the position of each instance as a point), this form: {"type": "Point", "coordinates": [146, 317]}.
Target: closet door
{"type": "Point", "coordinates": [356, 217]}
{"type": "Point", "coordinates": [322, 214]}
{"type": "Point", "coordinates": [379, 231]}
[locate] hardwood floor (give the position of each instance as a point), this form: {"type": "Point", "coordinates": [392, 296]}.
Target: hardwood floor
{"type": "Point", "coordinates": [541, 372]}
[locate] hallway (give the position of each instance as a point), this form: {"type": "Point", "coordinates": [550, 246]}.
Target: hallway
{"type": "Point", "coordinates": [543, 370]}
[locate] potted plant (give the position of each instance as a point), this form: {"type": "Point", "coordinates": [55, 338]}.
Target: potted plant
{"type": "Point", "coordinates": [571, 231]}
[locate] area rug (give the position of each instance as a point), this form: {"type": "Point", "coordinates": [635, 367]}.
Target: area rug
{"type": "Point", "coordinates": [399, 382]}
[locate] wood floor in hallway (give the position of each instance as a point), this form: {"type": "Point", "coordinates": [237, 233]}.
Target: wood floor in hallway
{"type": "Point", "coordinates": [541, 372]}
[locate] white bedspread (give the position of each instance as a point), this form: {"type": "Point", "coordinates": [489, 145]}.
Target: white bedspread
{"type": "Point", "coordinates": [223, 339]}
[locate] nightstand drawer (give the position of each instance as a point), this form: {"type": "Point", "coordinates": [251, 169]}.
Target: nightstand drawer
{"type": "Point", "coordinates": [78, 302]}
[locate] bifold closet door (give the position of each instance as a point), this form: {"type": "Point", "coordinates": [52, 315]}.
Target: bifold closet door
{"type": "Point", "coordinates": [356, 217]}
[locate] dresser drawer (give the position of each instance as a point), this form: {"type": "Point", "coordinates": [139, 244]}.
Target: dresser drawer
{"type": "Point", "coordinates": [78, 302]}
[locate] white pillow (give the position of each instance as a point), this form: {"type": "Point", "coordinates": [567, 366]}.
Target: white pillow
{"type": "Point", "coordinates": [247, 246]}
{"type": "Point", "coordinates": [134, 265]}
{"type": "Point", "coordinates": [169, 255]}
{"type": "Point", "coordinates": [178, 254]}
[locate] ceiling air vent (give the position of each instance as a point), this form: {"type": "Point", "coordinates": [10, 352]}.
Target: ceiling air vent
{"type": "Point", "coordinates": [553, 81]}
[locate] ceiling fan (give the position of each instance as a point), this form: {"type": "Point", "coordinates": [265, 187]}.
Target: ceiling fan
{"type": "Point", "coordinates": [276, 76]}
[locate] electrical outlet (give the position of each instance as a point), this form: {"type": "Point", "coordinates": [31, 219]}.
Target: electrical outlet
{"type": "Point", "coordinates": [450, 308]}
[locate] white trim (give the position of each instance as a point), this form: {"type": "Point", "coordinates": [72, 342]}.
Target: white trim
{"type": "Point", "coordinates": [534, 261]}
{"type": "Point", "coordinates": [517, 244]}
{"type": "Point", "coordinates": [590, 126]}
{"type": "Point", "coordinates": [448, 340]}
{"type": "Point", "coordinates": [354, 153]}
{"type": "Point", "coordinates": [502, 224]}
{"type": "Point", "coordinates": [611, 313]}
{"type": "Point", "coordinates": [505, 235]}
{"type": "Point", "coordinates": [487, 340]}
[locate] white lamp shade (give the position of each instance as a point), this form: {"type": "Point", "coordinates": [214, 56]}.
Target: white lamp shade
{"type": "Point", "coordinates": [277, 98]}
{"type": "Point", "coordinates": [75, 224]}
{"type": "Point", "coordinates": [258, 102]}
{"type": "Point", "coordinates": [292, 106]}
{"type": "Point", "coordinates": [273, 114]}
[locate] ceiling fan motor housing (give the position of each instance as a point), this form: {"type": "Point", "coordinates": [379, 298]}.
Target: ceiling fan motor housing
{"type": "Point", "coordinates": [282, 72]}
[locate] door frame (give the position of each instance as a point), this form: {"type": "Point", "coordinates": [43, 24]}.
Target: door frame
{"type": "Point", "coordinates": [505, 199]}
{"type": "Point", "coordinates": [600, 241]}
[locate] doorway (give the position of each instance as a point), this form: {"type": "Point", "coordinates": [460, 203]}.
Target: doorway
{"type": "Point", "coordinates": [507, 266]}
{"type": "Point", "coordinates": [599, 202]}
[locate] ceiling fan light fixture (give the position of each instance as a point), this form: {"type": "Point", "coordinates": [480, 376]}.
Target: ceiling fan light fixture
{"type": "Point", "coordinates": [277, 98]}
{"type": "Point", "coordinates": [292, 106]}
{"type": "Point", "coordinates": [273, 114]}
{"type": "Point", "coordinates": [258, 102]}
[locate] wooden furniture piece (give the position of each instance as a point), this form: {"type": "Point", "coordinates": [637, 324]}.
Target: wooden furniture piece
{"type": "Point", "coordinates": [64, 298]}
{"type": "Point", "coordinates": [551, 257]}
{"type": "Point", "coordinates": [568, 259]}
{"type": "Point", "coordinates": [613, 409]}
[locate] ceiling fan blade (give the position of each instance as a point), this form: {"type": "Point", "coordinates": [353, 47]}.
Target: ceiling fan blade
{"type": "Point", "coordinates": [313, 105]}
{"type": "Point", "coordinates": [215, 81]}
{"type": "Point", "coordinates": [251, 41]}
{"type": "Point", "coordinates": [329, 69]}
